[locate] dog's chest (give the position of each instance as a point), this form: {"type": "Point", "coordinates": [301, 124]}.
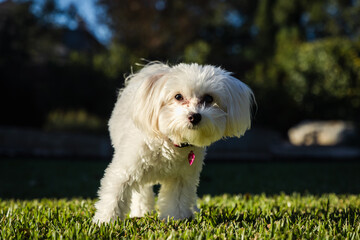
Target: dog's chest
{"type": "Point", "coordinates": [165, 162]}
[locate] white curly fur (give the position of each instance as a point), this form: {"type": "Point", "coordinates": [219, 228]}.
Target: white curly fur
{"type": "Point", "coordinates": [147, 126]}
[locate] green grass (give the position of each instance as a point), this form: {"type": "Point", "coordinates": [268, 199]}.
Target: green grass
{"type": "Point", "coordinates": [274, 200]}
{"type": "Point", "coordinates": [246, 216]}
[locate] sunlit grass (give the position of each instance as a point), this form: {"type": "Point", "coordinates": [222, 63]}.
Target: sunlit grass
{"type": "Point", "coordinates": [304, 211]}
{"type": "Point", "coordinates": [221, 217]}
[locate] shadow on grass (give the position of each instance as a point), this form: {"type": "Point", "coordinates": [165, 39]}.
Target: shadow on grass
{"type": "Point", "coordinates": [34, 178]}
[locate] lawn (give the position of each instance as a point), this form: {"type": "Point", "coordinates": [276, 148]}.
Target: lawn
{"type": "Point", "coordinates": [270, 200]}
{"type": "Point", "coordinates": [222, 217]}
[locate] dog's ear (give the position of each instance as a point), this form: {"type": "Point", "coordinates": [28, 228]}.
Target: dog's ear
{"type": "Point", "coordinates": [238, 107]}
{"type": "Point", "coordinates": [148, 98]}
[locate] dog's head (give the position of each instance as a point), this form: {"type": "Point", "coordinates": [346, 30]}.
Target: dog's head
{"type": "Point", "coordinates": [192, 104]}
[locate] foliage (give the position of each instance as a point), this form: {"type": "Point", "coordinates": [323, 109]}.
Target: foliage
{"type": "Point", "coordinates": [330, 67]}
{"type": "Point", "coordinates": [225, 217]}
{"type": "Point", "coordinates": [197, 52]}
{"type": "Point", "coordinates": [114, 63]}
{"type": "Point", "coordinates": [301, 57]}
{"type": "Point", "coordinates": [72, 120]}
{"type": "Point", "coordinates": [15, 45]}
{"type": "Point", "coordinates": [33, 92]}
{"type": "Point", "coordinates": [318, 79]}
{"type": "Point", "coordinates": [46, 67]}
{"type": "Point", "coordinates": [325, 69]}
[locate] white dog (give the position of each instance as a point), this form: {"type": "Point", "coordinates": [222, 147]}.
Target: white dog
{"type": "Point", "coordinates": [161, 124]}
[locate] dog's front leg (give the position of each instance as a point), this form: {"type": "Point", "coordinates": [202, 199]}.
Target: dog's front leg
{"type": "Point", "coordinates": [177, 198]}
{"type": "Point", "coordinates": [143, 201]}
{"type": "Point", "coordinates": [114, 196]}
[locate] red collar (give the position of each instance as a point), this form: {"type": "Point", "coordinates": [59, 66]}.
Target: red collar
{"type": "Point", "coordinates": [182, 145]}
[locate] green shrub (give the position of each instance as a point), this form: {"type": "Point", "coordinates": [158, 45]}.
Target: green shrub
{"type": "Point", "coordinates": [74, 120]}
{"type": "Point", "coordinates": [316, 80]}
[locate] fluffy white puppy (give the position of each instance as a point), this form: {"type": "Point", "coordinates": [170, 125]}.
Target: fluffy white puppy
{"type": "Point", "coordinates": [161, 124]}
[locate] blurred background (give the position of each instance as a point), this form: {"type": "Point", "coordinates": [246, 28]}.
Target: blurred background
{"type": "Point", "coordinates": [62, 63]}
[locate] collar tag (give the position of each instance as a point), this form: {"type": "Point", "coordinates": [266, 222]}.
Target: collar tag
{"type": "Point", "coordinates": [191, 157]}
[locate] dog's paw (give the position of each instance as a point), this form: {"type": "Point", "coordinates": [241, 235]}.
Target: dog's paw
{"type": "Point", "coordinates": [196, 209]}
{"type": "Point", "coordinates": [101, 218]}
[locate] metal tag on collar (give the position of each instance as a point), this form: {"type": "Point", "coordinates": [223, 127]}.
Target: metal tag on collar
{"type": "Point", "coordinates": [191, 157]}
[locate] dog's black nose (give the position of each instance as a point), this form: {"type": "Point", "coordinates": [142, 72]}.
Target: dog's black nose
{"type": "Point", "coordinates": [195, 118]}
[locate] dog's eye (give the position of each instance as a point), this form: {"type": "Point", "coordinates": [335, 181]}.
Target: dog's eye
{"type": "Point", "coordinates": [179, 97]}
{"type": "Point", "coordinates": [208, 99]}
